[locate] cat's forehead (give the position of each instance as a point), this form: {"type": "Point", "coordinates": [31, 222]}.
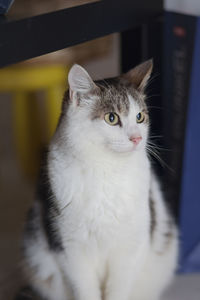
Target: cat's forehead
{"type": "Point", "coordinates": [114, 96]}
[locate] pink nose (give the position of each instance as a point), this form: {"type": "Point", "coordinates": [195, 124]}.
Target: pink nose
{"type": "Point", "coordinates": [136, 140]}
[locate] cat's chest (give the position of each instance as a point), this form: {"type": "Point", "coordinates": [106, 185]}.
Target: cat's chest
{"type": "Point", "coordinates": [104, 199]}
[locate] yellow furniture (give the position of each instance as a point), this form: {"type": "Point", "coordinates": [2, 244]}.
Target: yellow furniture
{"type": "Point", "coordinates": [34, 119]}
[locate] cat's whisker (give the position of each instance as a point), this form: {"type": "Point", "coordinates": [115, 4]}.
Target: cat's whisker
{"type": "Point", "coordinates": [106, 83]}
{"type": "Point", "coordinates": [157, 147]}
{"type": "Point", "coordinates": [66, 206]}
{"type": "Point", "coordinates": [152, 79]}
{"type": "Point", "coordinates": [153, 152]}
{"type": "Point", "coordinates": [154, 106]}
{"type": "Point", "coordinates": [155, 155]}
{"type": "Point", "coordinates": [156, 136]}
{"type": "Point", "coordinates": [152, 96]}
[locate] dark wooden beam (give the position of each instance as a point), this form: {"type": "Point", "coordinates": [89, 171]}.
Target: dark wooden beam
{"type": "Point", "coordinates": [29, 37]}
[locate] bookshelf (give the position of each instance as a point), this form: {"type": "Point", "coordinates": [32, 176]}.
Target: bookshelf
{"type": "Point", "coordinates": [28, 36]}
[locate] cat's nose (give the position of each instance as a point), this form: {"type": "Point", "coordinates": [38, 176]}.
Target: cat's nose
{"type": "Point", "coordinates": [135, 139]}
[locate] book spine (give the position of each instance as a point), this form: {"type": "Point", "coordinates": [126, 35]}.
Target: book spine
{"type": "Point", "coordinates": [190, 187]}
{"type": "Point", "coordinates": [179, 32]}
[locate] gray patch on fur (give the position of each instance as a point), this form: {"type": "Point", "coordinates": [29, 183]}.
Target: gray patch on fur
{"type": "Point", "coordinates": [152, 215]}
{"type": "Point", "coordinates": [170, 233]}
{"type": "Point", "coordinates": [112, 96]}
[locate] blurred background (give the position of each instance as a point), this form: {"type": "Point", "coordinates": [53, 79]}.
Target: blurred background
{"type": "Point", "coordinates": [30, 99]}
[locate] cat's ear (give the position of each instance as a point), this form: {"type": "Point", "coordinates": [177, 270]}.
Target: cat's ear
{"type": "Point", "coordinates": [80, 81]}
{"type": "Point", "coordinates": [140, 75]}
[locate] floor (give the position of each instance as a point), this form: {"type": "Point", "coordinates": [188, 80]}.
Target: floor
{"type": "Point", "coordinates": [185, 287]}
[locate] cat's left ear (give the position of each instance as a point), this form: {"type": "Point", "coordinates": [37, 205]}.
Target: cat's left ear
{"type": "Point", "coordinates": [140, 75]}
{"type": "Point", "coordinates": [80, 81]}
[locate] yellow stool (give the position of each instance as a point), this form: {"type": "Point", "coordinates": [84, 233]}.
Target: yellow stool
{"type": "Point", "coordinates": [24, 82]}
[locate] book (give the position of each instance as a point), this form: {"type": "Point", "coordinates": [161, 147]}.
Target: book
{"type": "Point", "coordinates": [181, 102]}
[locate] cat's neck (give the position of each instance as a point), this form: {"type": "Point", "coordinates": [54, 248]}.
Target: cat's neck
{"type": "Point", "coordinates": [96, 157]}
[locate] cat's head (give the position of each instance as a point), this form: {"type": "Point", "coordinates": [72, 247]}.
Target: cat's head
{"type": "Point", "coordinates": [108, 114]}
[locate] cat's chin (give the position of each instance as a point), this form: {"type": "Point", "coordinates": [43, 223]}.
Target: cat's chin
{"type": "Point", "coordinates": [126, 150]}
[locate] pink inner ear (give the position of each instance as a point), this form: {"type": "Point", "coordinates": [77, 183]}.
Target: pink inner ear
{"type": "Point", "coordinates": [70, 94]}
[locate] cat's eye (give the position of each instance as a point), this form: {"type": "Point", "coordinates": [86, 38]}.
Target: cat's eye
{"type": "Point", "coordinates": [112, 119]}
{"type": "Point", "coordinates": [140, 117]}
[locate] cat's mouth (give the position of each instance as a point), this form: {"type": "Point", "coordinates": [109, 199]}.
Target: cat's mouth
{"type": "Point", "coordinates": [127, 147]}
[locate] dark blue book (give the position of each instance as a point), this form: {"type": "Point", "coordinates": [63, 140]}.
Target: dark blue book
{"type": "Point", "coordinates": [5, 5]}
{"type": "Point", "coordinates": [181, 90]}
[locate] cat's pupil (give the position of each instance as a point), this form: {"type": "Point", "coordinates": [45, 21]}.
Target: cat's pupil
{"type": "Point", "coordinates": [139, 116]}
{"type": "Point", "coordinates": [111, 117]}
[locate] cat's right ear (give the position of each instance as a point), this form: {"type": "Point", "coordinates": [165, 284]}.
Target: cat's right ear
{"type": "Point", "coordinates": [140, 75]}
{"type": "Point", "coordinates": [79, 81]}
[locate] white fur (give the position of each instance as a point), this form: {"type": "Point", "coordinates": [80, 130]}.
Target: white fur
{"type": "Point", "coordinates": [101, 181]}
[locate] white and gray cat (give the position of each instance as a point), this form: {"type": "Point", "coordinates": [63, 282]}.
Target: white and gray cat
{"type": "Point", "coordinates": [99, 228]}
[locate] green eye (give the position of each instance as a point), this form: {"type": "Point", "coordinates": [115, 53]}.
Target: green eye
{"type": "Point", "coordinates": [140, 117]}
{"type": "Point", "coordinates": [111, 119]}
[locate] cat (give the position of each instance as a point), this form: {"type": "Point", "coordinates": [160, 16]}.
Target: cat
{"type": "Point", "coordinates": [99, 228]}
